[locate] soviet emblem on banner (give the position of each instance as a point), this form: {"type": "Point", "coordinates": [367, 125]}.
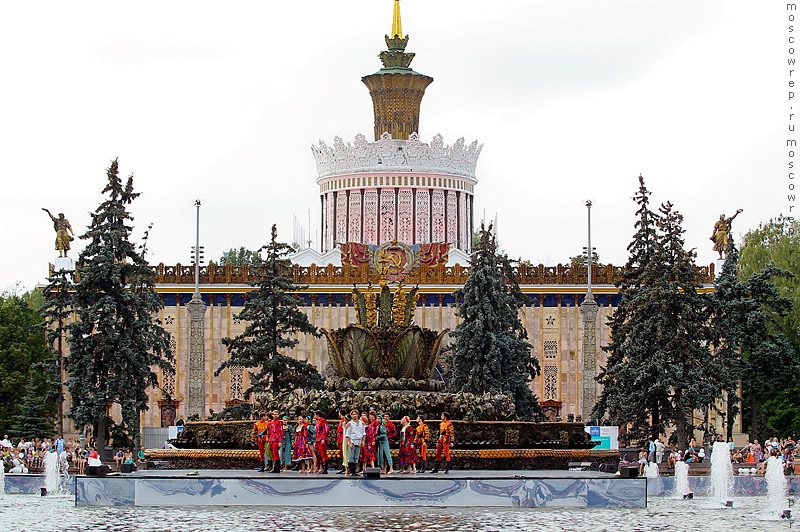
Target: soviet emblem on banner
{"type": "Point", "coordinates": [393, 260]}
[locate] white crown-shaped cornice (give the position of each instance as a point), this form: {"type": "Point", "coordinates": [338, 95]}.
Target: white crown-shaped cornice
{"type": "Point", "coordinates": [392, 155]}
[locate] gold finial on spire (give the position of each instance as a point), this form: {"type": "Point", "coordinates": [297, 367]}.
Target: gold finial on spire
{"type": "Point", "coordinates": [397, 27]}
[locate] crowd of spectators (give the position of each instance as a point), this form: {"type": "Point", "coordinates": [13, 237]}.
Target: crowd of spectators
{"type": "Point", "coordinates": [753, 453]}
{"type": "Point", "coordinates": [27, 456]}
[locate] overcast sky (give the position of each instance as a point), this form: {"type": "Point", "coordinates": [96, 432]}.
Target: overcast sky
{"type": "Point", "coordinates": [221, 101]}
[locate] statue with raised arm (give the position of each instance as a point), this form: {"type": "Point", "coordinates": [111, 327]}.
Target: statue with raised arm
{"type": "Point", "coordinates": [64, 234]}
{"type": "Point", "coordinates": [722, 237]}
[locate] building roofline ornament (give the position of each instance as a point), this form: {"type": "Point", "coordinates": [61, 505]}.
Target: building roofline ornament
{"type": "Point", "coordinates": [393, 155]}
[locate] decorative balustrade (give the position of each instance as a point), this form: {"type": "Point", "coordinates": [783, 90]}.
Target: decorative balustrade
{"type": "Point", "coordinates": [348, 275]}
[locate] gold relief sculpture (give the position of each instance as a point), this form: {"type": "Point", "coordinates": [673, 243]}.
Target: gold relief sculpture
{"type": "Point", "coordinates": [64, 234]}
{"type": "Point", "coordinates": [450, 275]}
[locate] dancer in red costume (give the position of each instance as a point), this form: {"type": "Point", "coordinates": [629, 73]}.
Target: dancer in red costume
{"type": "Point", "coordinates": [275, 436]}
{"type": "Point", "coordinates": [321, 442]}
{"type": "Point", "coordinates": [259, 437]}
{"type": "Point", "coordinates": [444, 443]}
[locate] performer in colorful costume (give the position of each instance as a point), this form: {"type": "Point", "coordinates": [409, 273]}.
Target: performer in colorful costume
{"type": "Point", "coordinates": [300, 452]}
{"type": "Point", "coordinates": [275, 437]}
{"type": "Point", "coordinates": [382, 446]}
{"type": "Point", "coordinates": [444, 443]}
{"type": "Point", "coordinates": [259, 437]}
{"type": "Point", "coordinates": [421, 442]}
{"type": "Point", "coordinates": [340, 430]}
{"type": "Point", "coordinates": [321, 445]}
{"type": "Point", "coordinates": [312, 439]}
{"type": "Point", "coordinates": [286, 445]}
{"type": "Point", "coordinates": [408, 453]}
{"type": "Point", "coordinates": [368, 450]}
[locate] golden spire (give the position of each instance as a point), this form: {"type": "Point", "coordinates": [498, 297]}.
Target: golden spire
{"type": "Point", "coordinates": [397, 28]}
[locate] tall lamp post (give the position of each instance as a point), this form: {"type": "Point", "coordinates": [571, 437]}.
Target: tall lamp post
{"type": "Point", "coordinates": [195, 383]}
{"type": "Point", "coordinates": [589, 352]}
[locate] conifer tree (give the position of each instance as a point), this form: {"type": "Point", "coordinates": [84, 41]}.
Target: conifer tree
{"type": "Point", "coordinates": [631, 367]}
{"type": "Point", "coordinates": [660, 366]}
{"type": "Point", "coordinates": [491, 354]}
{"type": "Point", "coordinates": [56, 310]}
{"type": "Point", "coordinates": [32, 420]}
{"type": "Point", "coordinates": [747, 338]}
{"type": "Point", "coordinates": [273, 317]}
{"type": "Point", "coordinates": [115, 344]}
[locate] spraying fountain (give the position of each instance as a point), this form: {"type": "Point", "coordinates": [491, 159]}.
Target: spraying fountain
{"type": "Point", "coordinates": [681, 479]}
{"type": "Point", "coordinates": [55, 478]}
{"type": "Point", "coordinates": [721, 473]}
{"type": "Point", "coordinates": [2, 480]}
{"type": "Point", "coordinates": [777, 489]}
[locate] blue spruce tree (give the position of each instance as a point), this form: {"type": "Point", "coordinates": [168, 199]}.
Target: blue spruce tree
{"type": "Point", "coordinates": [491, 354]}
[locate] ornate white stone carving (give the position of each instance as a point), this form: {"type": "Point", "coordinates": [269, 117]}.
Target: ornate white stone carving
{"type": "Point", "coordinates": [329, 221]}
{"type": "Point", "coordinates": [462, 221]}
{"type": "Point", "coordinates": [387, 213]}
{"type": "Point", "coordinates": [405, 215]}
{"type": "Point", "coordinates": [341, 216]}
{"type": "Point", "coordinates": [389, 154]}
{"type": "Point", "coordinates": [437, 216]}
{"type": "Point", "coordinates": [551, 383]}
{"type": "Point", "coordinates": [354, 223]}
{"type": "Point", "coordinates": [371, 216]}
{"type": "Point", "coordinates": [452, 218]}
{"type": "Point", "coordinates": [423, 220]}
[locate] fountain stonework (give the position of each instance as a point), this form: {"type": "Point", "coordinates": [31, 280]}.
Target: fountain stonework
{"type": "Point", "coordinates": [384, 363]}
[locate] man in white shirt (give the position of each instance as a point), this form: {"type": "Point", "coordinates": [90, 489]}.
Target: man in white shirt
{"type": "Point", "coordinates": [5, 442]}
{"type": "Point", "coordinates": [659, 451]}
{"type": "Point", "coordinates": [353, 435]}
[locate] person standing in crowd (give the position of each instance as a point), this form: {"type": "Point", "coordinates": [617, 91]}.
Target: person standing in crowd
{"type": "Point", "coordinates": [275, 438]}
{"type": "Point", "coordinates": [312, 440]}
{"type": "Point", "coordinates": [660, 450]}
{"type": "Point", "coordinates": [286, 444]}
{"type": "Point", "coordinates": [421, 442]}
{"type": "Point", "coordinates": [369, 449]}
{"type": "Point", "coordinates": [443, 444]}
{"type": "Point", "coordinates": [408, 454]}
{"type": "Point", "coordinates": [382, 446]}
{"type": "Point", "coordinates": [391, 430]}
{"type": "Point", "coordinates": [301, 451]}
{"type": "Point", "coordinates": [344, 449]}
{"type": "Point", "coordinates": [259, 437]}
{"type": "Point", "coordinates": [321, 447]}
{"type": "Point", "coordinates": [651, 450]}
{"type": "Point", "coordinates": [353, 436]}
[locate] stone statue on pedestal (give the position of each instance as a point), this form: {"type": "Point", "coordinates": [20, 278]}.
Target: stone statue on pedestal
{"type": "Point", "coordinates": [722, 233]}
{"type": "Point", "coordinates": [64, 234]}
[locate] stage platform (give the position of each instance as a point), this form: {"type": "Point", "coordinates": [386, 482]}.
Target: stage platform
{"type": "Point", "coordinates": [456, 489]}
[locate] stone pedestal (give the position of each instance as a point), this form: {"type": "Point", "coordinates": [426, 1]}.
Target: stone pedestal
{"type": "Point", "coordinates": [64, 264]}
{"type": "Point", "coordinates": [589, 356]}
{"type": "Point", "coordinates": [196, 382]}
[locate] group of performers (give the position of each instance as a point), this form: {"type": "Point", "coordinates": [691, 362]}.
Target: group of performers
{"type": "Point", "coordinates": [280, 444]}
{"type": "Point", "coordinates": [363, 439]}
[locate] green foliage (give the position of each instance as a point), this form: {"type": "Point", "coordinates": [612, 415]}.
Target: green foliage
{"type": "Point", "coordinates": [115, 344]}
{"type": "Point", "coordinates": [659, 365]}
{"type": "Point", "coordinates": [237, 412]}
{"type": "Point", "coordinates": [773, 405]}
{"type": "Point", "coordinates": [240, 257]}
{"type": "Point", "coordinates": [23, 358]}
{"type": "Point", "coordinates": [747, 321]}
{"type": "Point", "coordinates": [32, 420]}
{"type": "Point", "coordinates": [491, 354]}
{"type": "Point", "coordinates": [56, 309]}
{"type": "Point", "coordinates": [777, 242]}
{"type": "Point", "coordinates": [272, 316]}
{"type": "Point", "coordinates": [580, 260]}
